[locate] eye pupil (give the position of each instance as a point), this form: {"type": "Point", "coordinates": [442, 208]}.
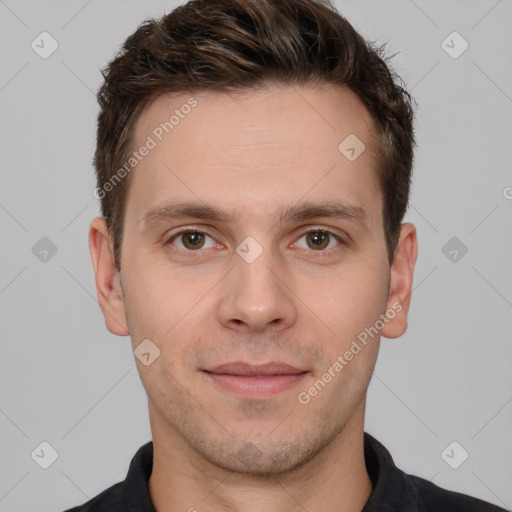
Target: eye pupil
{"type": "Point", "coordinates": [318, 239]}
{"type": "Point", "coordinates": [193, 240]}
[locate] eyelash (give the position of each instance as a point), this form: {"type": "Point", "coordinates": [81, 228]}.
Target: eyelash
{"type": "Point", "coordinates": [314, 230]}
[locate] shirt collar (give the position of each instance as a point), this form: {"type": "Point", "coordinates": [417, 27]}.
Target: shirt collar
{"type": "Point", "coordinates": [393, 490]}
{"type": "Point", "coordinates": [136, 496]}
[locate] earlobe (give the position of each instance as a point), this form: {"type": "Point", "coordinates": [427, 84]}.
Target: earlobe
{"type": "Point", "coordinates": [108, 286]}
{"type": "Point", "coordinates": [401, 278]}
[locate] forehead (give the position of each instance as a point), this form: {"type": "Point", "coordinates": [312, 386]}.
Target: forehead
{"type": "Point", "coordinates": [256, 148]}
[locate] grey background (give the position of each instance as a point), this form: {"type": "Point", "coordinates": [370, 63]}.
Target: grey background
{"type": "Point", "coordinates": [67, 381]}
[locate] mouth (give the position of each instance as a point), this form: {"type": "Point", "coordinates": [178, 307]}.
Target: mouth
{"type": "Point", "coordinates": [255, 381]}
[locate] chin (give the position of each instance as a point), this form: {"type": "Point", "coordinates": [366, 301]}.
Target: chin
{"type": "Point", "coordinates": [263, 459]}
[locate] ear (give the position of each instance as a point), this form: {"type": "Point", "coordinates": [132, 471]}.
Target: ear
{"type": "Point", "coordinates": [108, 286]}
{"type": "Point", "coordinates": [400, 285]}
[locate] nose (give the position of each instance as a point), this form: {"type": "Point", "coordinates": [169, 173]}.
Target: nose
{"type": "Point", "coordinates": [257, 296]}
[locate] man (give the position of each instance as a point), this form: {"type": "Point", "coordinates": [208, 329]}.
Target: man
{"type": "Point", "coordinates": [254, 161]}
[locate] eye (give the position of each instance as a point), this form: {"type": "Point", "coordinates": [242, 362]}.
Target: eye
{"type": "Point", "coordinates": [318, 240]}
{"type": "Point", "coordinates": [192, 240]}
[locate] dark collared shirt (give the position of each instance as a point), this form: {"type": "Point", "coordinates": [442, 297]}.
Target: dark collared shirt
{"type": "Point", "coordinates": [393, 490]}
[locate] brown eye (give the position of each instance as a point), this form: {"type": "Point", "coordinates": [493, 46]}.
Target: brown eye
{"type": "Point", "coordinates": [192, 239]}
{"type": "Point", "coordinates": [317, 240]}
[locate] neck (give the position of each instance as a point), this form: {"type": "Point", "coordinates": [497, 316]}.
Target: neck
{"type": "Point", "coordinates": [335, 479]}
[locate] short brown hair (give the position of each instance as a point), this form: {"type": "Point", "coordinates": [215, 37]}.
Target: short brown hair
{"type": "Point", "coordinates": [229, 45]}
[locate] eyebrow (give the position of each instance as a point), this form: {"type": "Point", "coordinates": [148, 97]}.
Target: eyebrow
{"type": "Point", "coordinates": [297, 212]}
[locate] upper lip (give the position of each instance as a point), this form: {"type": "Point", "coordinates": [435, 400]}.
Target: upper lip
{"type": "Point", "coordinates": [244, 369]}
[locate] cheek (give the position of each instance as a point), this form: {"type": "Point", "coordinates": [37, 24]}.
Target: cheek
{"type": "Point", "coordinates": [167, 307]}
{"type": "Point", "coordinates": [152, 304]}
{"type": "Point", "coordinates": [348, 300]}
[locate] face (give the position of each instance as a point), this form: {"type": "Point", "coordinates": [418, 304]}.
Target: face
{"type": "Point", "coordinates": [253, 260]}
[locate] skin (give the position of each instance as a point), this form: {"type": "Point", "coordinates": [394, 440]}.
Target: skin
{"type": "Point", "coordinates": [255, 154]}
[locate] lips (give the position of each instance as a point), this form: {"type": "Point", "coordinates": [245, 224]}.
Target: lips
{"type": "Point", "coordinates": [255, 382]}
{"type": "Point", "coordinates": [247, 370]}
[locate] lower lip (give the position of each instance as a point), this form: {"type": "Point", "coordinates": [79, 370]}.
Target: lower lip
{"type": "Point", "coordinates": [256, 387]}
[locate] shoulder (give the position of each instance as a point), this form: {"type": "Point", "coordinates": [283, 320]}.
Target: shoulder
{"type": "Point", "coordinates": [132, 493]}
{"type": "Point", "coordinates": [438, 499]}
{"type": "Point", "coordinates": [110, 500]}
{"type": "Point", "coordinates": [395, 490]}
